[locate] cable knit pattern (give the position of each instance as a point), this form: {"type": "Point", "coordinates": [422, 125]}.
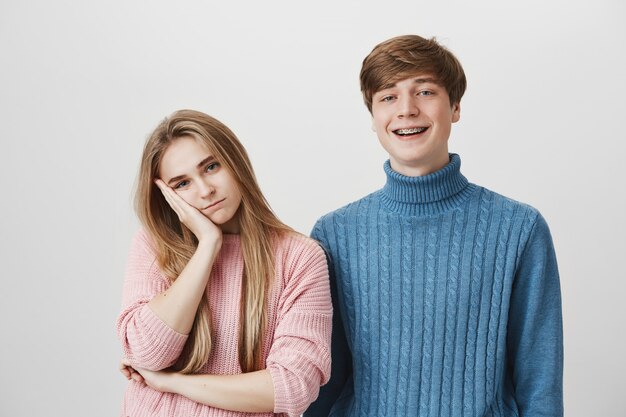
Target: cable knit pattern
{"type": "Point", "coordinates": [296, 346]}
{"type": "Point", "coordinates": [450, 302]}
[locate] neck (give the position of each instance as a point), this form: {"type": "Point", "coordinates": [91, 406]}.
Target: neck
{"type": "Point", "coordinates": [429, 194]}
{"type": "Point", "coordinates": [420, 170]}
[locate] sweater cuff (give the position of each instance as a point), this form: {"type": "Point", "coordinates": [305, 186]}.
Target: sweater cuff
{"type": "Point", "coordinates": [281, 390]}
{"type": "Point", "coordinates": [159, 332]}
{"type": "Point", "coordinates": [292, 395]}
{"type": "Point", "coordinates": [161, 345]}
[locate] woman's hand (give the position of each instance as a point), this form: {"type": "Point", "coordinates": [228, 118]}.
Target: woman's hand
{"type": "Point", "coordinates": [178, 304]}
{"type": "Point", "coordinates": [251, 392]}
{"type": "Point", "coordinates": [129, 372]}
{"type": "Point", "coordinates": [200, 225]}
{"type": "Point", "coordinates": [157, 380]}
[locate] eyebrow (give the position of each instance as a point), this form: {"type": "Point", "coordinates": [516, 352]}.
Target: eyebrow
{"type": "Point", "coordinates": [416, 81]}
{"type": "Point", "coordinates": [200, 164]}
{"type": "Point", "coordinates": [425, 80]}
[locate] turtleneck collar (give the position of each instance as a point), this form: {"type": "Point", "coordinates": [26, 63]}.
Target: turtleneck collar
{"type": "Point", "coordinates": [426, 195]}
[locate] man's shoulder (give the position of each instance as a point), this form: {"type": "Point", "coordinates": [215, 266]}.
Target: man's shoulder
{"type": "Point", "coordinates": [353, 208]}
{"type": "Point", "coordinates": [516, 208]}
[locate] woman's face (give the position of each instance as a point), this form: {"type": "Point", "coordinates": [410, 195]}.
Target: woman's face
{"type": "Point", "coordinates": [199, 179]}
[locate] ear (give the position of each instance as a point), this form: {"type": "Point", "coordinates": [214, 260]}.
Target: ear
{"type": "Point", "coordinates": [456, 112]}
{"type": "Point", "coordinates": [373, 126]}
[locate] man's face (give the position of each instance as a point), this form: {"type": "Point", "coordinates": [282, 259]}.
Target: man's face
{"type": "Point", "coordinates": [412, 120]}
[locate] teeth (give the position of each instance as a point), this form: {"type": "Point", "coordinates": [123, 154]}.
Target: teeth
{"type": "Point", "coordinates": [410, 131]}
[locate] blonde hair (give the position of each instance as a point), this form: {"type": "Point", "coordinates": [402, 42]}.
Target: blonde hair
{"type": "Point", "coordinates": [175, 244]}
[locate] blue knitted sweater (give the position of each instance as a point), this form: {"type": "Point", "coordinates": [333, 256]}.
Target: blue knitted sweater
{"type": "Point", "coordinates": [447, 303]}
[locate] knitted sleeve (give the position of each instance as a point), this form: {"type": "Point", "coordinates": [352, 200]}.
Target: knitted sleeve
{"type": "Point", "coordinates": [340, 383]}
{"type": "Point", "coordinates": [535, 329]}
{"type": "Point", "coordinates": [146, 340]}
{"type": "Point", "coordinates": [299, 359]}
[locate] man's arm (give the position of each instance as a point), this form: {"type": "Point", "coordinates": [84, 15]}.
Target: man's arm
{"type": "Point", "coordinates": [535, 328]}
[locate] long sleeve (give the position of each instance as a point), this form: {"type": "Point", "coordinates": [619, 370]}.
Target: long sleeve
{"type": "Point", "coordinates": [341, 371]}
{"type": "Point", "coordinates": [299, 359]}
{"type": "Point", "coordinates": [146, 340]}
{"type": "Point", "coordinates": [450, 303]}
{"type": "Point", "coordinates": [535, 330]}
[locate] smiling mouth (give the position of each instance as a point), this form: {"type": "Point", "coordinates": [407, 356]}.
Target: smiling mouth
{"type": "Point", "coordinates": [211, 205]}
{"type": "Point", "coordinates": [411, 131]}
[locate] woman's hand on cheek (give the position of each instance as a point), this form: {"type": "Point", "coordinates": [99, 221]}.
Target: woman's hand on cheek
{"type": "Point", "coordinates": [200, 225]}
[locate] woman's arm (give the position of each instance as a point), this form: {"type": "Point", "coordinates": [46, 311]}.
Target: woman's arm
{"type": "Point", "coordinates": [177, 305]}
{"type": "Point", "coordinates": [299, 358]}
{"type": "Point", "coordinates": [340, 383]}
{"type": "Point", "coordinates": [146, 339]}
{"type": "Point", "coordinates": [156, 316]}
{"type": "Point", "coordinates": [252, 392]}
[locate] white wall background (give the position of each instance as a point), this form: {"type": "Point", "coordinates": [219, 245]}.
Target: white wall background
{"type": "Point", "coordinates": [83, 83]}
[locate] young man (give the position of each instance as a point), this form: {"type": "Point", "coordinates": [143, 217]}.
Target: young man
{"type": "Point", "coordinates": [446, 294]}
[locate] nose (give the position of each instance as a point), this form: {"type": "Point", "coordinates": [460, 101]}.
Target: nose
{"type": "Point", "coordinates": [205, 188]}
{"type": "Point", "coordinates": [407, 106]}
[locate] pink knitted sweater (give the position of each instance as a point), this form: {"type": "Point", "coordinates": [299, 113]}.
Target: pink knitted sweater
{"type": "Point", "coordinates": [296, 346]}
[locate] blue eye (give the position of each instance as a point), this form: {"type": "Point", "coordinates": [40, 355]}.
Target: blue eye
{"type": "Point", "coordinates": [212, 166]}
{"type": "Point", "coordinates": [181, 184]}
{"type": "Point", "coordinates": [386, 98]}
{"type": "Point", "coordinates": [425, 93]}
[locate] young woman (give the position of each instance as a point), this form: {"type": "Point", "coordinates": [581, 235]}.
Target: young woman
{"type": "Point", "coordinates": [226, 310]}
